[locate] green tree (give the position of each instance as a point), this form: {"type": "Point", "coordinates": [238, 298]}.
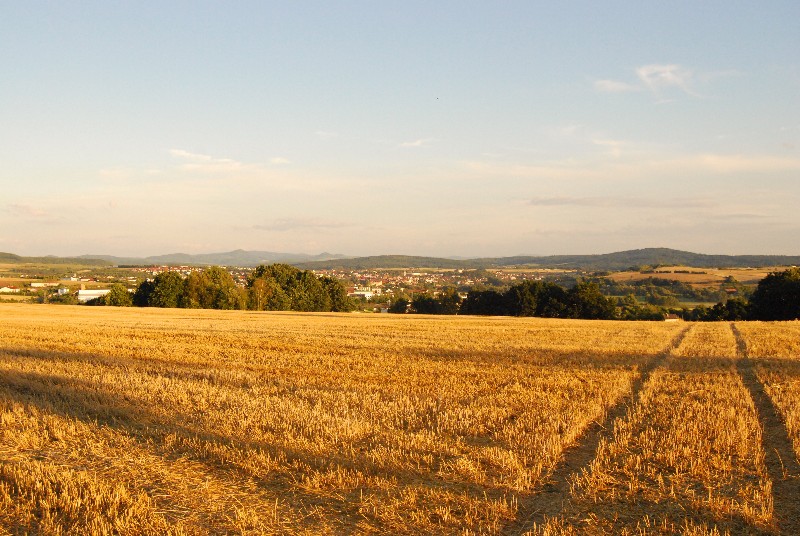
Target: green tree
{"type": "Point", "coordinates": [586, 301]}
{"type": "Point", "coordinates": [777, 296]}
{"type": "Point", "coordinates": [308, 294]}
{"type": "Point", "coordinates": [265, 294]}
{"type": "Point", "coordinates": [425, 304]}
{"type": "Point", "coordinates": [304, 291]}
{"type": "Point", "coordinates": [449, 302]}
{"type": "Point", "coordinates": [213, 288]}
{"type": "Point", "coordinates": [141, 298]}
{"type": "Point", "coordinates": [537, 298]}
{"type": "Point", "coordinates": [337, 293]}
{"type": "Point", "coordinates": [167, 290]}
{"type": "Point", "coordinates": [484, 302]}
{"type": "Point", "coordinates": [400, 306]}
{"type": "Point", "coordinates": [118, 296]}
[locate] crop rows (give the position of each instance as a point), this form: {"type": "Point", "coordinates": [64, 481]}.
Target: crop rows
{"type": "Point", "coordinates": [195, 422]}
{"type": "Point", "coordinates": [206, 421]}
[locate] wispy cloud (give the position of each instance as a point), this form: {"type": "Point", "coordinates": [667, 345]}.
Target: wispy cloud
{"type": "Point", "coordinates": [614, 146]}
{"type": "Point", "coordinates": [205, 163]}
{"type": "Point", "coordinates": [418, 143]}
{"type": "Point", "coordinates": [615, 86]}
{"type": "Point", "coordinates": [27, 211]}
{"type": "Point", "coordinates": [745, 163]}
{"type": "Point", "coordinates": [637, 167]}
{"type": "Point", "coordinates": [657, 77]}
{"type": "Point", "coordinates": [619, 202]}
{"type": "Point", "coordinates": [295, 224]}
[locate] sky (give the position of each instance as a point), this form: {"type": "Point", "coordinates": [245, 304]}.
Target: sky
{"type": "Point", "coordinates": [427, 128]}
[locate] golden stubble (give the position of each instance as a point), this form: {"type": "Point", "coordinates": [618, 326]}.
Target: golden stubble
{"type": "Point", "coordinates": [137, 421]}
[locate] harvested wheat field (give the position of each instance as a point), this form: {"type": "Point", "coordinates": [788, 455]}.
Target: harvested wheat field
{"type": "Point", "coordinates": [152, 421]}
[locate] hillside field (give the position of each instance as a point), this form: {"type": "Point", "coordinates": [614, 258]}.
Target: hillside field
{"type": "Point", "coordinates": [699, 277]}
{"type": "Point", "coordinates": [176, 421]}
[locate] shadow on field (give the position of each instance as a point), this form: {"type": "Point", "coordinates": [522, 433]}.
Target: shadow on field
{"type": "Point", "coordinates": [618, 514]}
{"type": "Point", "coordinates": [76, 399]}
{"type": "Point", "coordinates": [779, 454]}
{"type": "Point", "coordinates": [219, 372]}
{"type": "Point", "coordinates": [125, 412]}
{"type": "Point", "coordinates": [134, 416]}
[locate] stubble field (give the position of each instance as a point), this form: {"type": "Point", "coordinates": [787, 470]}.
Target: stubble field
{"type": "Point", "coordinates": [145, 421]}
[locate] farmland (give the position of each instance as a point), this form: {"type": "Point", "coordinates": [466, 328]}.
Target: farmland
{"type": "Point", "coordinates": [154, 421]}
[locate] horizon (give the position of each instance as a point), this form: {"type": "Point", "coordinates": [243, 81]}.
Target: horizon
{"type": "Point", "coordinates": [343, 256]}
{"type": "Point", "coordinates": [445, 129]}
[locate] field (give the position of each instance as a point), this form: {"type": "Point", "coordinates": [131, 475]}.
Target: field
{"type": "Point", "coordinates": [144, 421]}
{"type": "Point", "coordinates": [699, 277]}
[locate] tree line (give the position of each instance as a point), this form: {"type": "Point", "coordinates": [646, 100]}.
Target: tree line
{"type": "Point", "coordinates": [277, 287]}
{"type": "Point", "coordinates": [777, 297]}
{"type": "Point", "coordinates": [529, 298]}
{"type": "Point", "coordinates": [281, 287]}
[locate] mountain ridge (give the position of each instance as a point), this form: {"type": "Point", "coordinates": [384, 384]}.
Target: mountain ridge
{"type": "Point", "coordinates": [615, 261]}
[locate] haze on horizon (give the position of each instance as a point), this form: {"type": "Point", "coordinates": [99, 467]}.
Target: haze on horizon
{"type": "Point", "coordinates": [445, 129]}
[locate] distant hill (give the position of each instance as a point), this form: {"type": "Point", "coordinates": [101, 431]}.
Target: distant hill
{"type": "Point", "coordinates": [86, 260]}
{"type": "Point", "coordinates": [609, 261]}
{"type": "Point", "coordinates": [238, 257]}
{"type": "Point", "coordinates": [388, 261]}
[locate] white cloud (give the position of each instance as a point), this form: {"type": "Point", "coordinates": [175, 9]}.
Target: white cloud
{"type": "Point", "coordinates": [614, 146]}
{"type": "Point", "coordinates": [418, 143]}
{"type": "Point", "coordinates": [657, 77]}
{"type": "Point", "coordinates": [744, 163]}
{"type": "Point", "coordinates": [638, 167]}
{"type": "Point", "coordinates": [206, 163]}
{"type": "Point", "coordinates": [279, 160]}
{"type": "Point", "coordinates": [614, 86]}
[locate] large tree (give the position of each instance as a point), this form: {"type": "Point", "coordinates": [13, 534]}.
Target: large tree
{"type": "Point", "coordinates": [537, 298]}
{"type": "Point", "coordinates": [167, 290]}
{"type": "Point", "coordinates": [118, 296]}
{"type": "Point", "coordinates": [213, 288]}
{"type": "Point", "coordinates": [281, 286]}
{"type": "Point", "coordinates": [484, 302]}
{"type": "Point", "coordinates": [777, 296]}
{"type": "Point", "coordinates": [586, 301]}
{"type": "Point", "coordinates": [265, 294]}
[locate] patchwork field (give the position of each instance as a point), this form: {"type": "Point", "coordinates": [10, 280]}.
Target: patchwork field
{"type": "Point", "coordinates": [699, 277]}
{"type": "Point", "coordinates": [150, 421]}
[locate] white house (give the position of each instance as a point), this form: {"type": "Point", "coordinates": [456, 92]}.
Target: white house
{"type": "Point", "coordinates": [8, 290]}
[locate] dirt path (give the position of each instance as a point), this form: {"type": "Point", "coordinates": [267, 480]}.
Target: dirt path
{"type": "Point", "coordinates": [780, 459]}
{"type": "Point", "coordinates": [551, 500]}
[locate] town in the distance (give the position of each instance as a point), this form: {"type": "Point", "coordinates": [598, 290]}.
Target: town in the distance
{"type": "Point", "coordinates": [645, 284]}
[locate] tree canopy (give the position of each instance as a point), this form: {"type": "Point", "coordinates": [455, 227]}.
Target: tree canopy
{"type": "Point", "coordinates": [777, 296]}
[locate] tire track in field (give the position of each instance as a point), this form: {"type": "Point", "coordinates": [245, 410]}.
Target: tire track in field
{"type": "Point", "coordinates": [550, 500]}
{"type": "Point", "coordinates": [779, 457]}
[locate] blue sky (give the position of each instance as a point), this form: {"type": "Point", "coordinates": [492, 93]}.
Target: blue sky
{"type": "Point", "coordinates": [447, 128]}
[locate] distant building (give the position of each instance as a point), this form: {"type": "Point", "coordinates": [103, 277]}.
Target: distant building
{"type": "Point", "coordinates": [671, 318]}
{"type": "Point", "coordinates": [9, 290]}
